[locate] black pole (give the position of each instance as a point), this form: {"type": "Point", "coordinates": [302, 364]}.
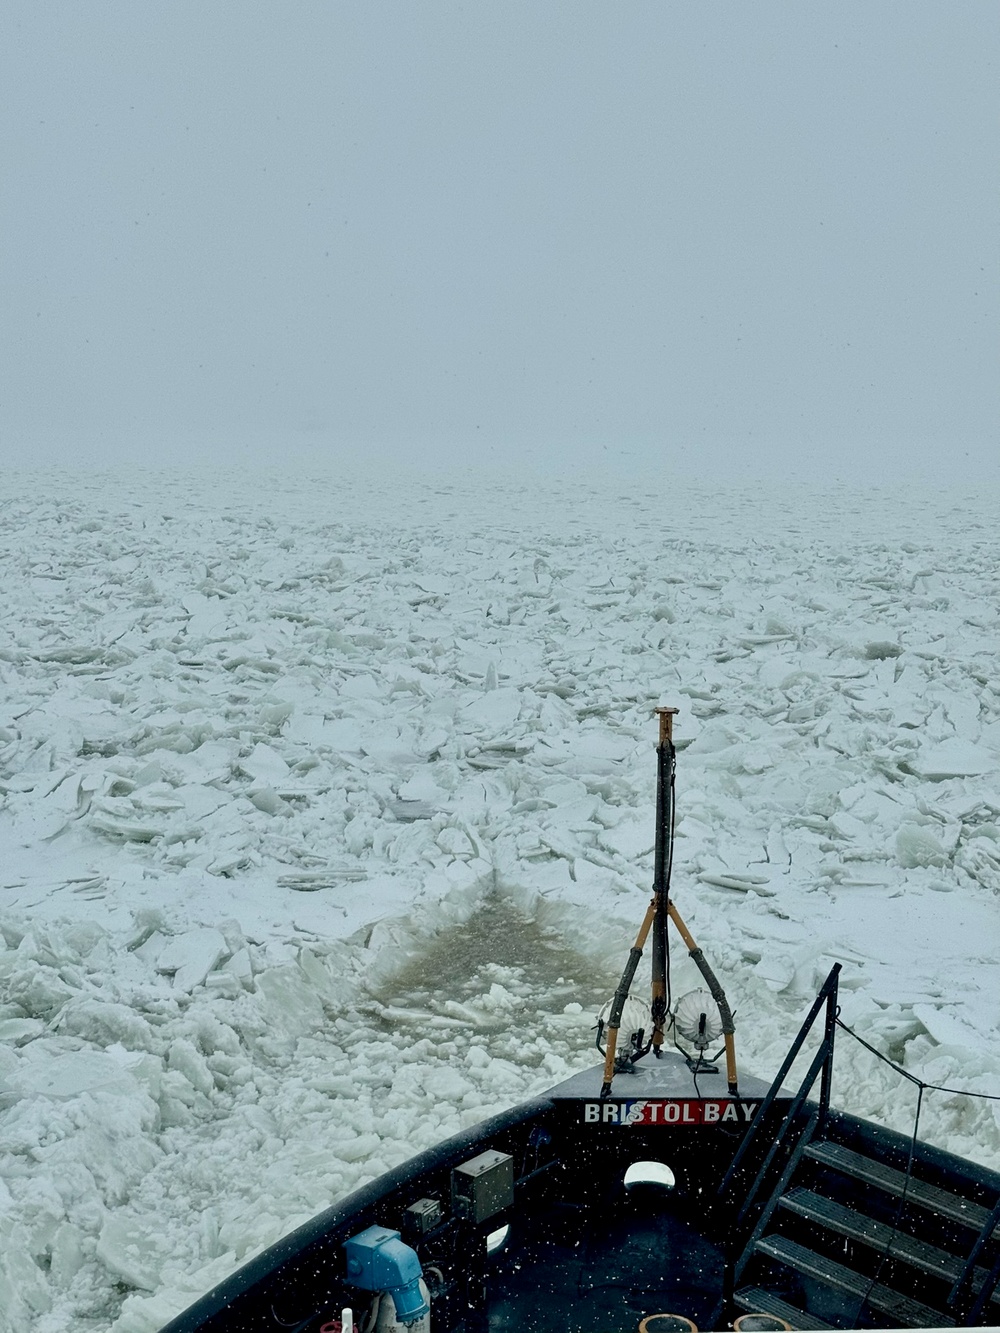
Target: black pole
{"type": "Point", "coordinates": [831, 987]}
{"type": "Point", "coordinates": [665, 768]}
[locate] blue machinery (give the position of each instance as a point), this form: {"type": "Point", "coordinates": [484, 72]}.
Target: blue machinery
{"type": "Point", "coordinates": [377, 1260]}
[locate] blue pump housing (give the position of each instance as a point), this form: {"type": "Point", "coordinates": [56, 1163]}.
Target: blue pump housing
{"type": "Point", "coordinates": [377, 1260]}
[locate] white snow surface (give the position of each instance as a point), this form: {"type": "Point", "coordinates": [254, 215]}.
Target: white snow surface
{"type": "Point", "coordinates": [327, 817]}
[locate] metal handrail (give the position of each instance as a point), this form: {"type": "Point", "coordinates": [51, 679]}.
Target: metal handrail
{"type": "Point", "coordinates": [956, 1297]}
{"type": "Point", "coordinates": [820, 1059]}
{"type": "Point", "coordinates": [821, 1063]}
{"type": "Point", "coordinates": [828, 995]}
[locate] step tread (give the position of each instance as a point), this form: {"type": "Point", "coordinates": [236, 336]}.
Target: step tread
{"type": "Point", "coordinates": [846, 1222]}
{"type": "Point", "coordinates": [887, 1178]}
{"type": "Point", "coordinates": [755, 1300]}
{"type": "Point", "coordinates": [907, 1312]}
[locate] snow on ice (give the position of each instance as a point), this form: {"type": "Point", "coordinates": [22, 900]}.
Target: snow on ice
{"type": "Point", "coordinates": [327, 818]}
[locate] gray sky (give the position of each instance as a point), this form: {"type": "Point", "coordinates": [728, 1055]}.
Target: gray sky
{"type": "Point", "coordinates": [654, 231]}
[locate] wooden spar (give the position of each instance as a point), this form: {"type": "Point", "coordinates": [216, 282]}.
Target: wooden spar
{"type": "Point", "coordinates": [717, 993]}
{"type": "Point", "coordinates": [621, 995]}
{"type": "Point", "coordinates": [666, 716]}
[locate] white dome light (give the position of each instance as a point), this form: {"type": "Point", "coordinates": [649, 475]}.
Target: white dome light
{"type": "Point", "coordinates": [650, 1173]}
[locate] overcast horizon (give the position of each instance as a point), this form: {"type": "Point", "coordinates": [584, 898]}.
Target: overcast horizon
{"type": "Point", "coordinates": [755, 239]}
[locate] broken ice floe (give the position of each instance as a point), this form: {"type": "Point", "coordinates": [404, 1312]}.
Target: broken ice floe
{"type": "Point", "coordinates": [743, 883]}
{"type": "Point", "coordinates": [189, 958]}
{"type": "Point", "coordinates": [309, 881]}
{"type": "Point", "coordinates": [954, 758]}
{"type": "Point", "coordinates": [220, 712]}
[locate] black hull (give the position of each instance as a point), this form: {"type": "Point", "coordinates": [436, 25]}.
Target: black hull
{"type": "Point", "coordinates": [845, 1231]}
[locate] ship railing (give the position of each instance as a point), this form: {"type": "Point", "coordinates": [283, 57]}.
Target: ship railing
{"type": "Point", "coordinates": [963, 1298]}
{"type": "Point", "coordinates": [821, 1066]}
{"type": "Point", "coordinates": [974, 1287]}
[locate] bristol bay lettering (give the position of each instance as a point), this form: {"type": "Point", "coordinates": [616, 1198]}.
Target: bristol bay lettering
{"type": "Point", "coordinates": [690, 1111]}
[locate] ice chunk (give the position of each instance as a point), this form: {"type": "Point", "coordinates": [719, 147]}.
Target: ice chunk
{"type": "Point", "coordinates": [105, 1023]}
{"type": "Point", "coordinates": [743, 883]}
{"type": "Point", "coordinates": [240, 966]}
{"type": "Point", "coordinates": [878, 650]}
{"type": "Point", "coordinates": [264, 765]}
{"type": "Point", "coordinates": [409, 811]}
{"type": "Point", "coordinates": [390, 757]}
{"type": "Point", "coordinates": [362, 687]}
{"type": "Point", "coordinates": [632, 838]}
{"type": "Point", "coordinates": [267, 800]}
{"type": "Point", "coordinates": [715, 738]}
{"type": "Point", "coordinates": [67, 1253]}
{"type": "Point", "coordinates": [212, 761]}
{"type": "Point", "coordinates": [191, 956]}
{"type": "Point", "coordinates": [436, 584]}
{"type": "Point", "coordinates": [310, 881]}
{"type": "Point", "coordinates": [955, 758]}
{"type": "Point", "coordinates": [848, 825]}
{"type": "Point", "coordinates": [151, 947]}
{"type": "Point", "coordinates": [495, 711]}
{"type": "Point", "coordinates": [776, 970]}
{"type": "Point", "coordinates": [10, 1063]}
{"type": "Point", "coordinates": [24, 1292]}
{"type": "Point", "coordinates": [916, 845]}
{"type": "Point", "coordinates": [456, 842]}
{"type": "Point", "coordinates": [421, 787]}
{"type": "Point", "coordinates": [127, 830]}
{"type": "Point", "coordinates": [200, 800]}
{"type": "Point", "coordinates": [289, 1001]}
{"type": "Point", "coordinates": [341, 734]}
{"type": "Point", "coordinates": [186, 1060]}
{"type": "Point", "coordinates": [19, 1030]}
{"type": "Point", "coordinates": [591, 744]}
{"type": "Point", "coordinates": [40, 991]}
{"type": "Point", "coordinates": [64, 1076]}
{"type": "Point", "coordinates": [146, 1069]}
{"type": "Point", "coordinates": [129, 1254]}
{"type": "Point", "coordinates": [947, 1027]}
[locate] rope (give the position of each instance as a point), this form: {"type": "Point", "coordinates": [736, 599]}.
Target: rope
{"type": "Point", "coordinates": [890, 1241]}
{"type": "Point", "coordinates": [932, 1087]}
{"type": "Point", "coordinates": [922, 1087]}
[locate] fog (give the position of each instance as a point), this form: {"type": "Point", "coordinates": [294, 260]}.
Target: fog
{"type": "Point", "coordinates": [727, 238]}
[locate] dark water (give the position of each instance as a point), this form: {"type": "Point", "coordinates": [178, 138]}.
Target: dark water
{"type": "Point", "coordinates": [499, 965]}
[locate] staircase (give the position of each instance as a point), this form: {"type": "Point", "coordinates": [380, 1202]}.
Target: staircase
{"type": "Point", "coordinates": [849, 1242]}
{"type": "Point", "coordinates": [825, 1229]}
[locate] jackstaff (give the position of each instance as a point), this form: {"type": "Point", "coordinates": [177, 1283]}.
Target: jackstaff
{"type": "Point", "coordinates": [659, 914]}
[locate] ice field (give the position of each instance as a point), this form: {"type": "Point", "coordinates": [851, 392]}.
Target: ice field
{"type": "Point", "coordinates": [327, 818]}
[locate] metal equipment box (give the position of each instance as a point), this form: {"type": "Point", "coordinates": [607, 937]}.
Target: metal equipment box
{"type": "Point", "coordinates": [422, 1216]}
{"type": "Point", "coordinates": [483, 1186]}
